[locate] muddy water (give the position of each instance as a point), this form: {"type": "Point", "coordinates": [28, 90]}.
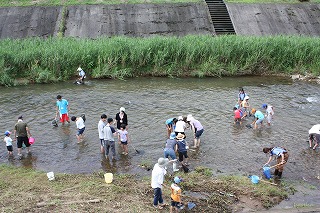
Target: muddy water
{"type": "Point", "coordinates": [225, 148]}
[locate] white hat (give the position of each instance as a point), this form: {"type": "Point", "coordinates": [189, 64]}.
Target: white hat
{"type": "Point", "coordinates": [189, 118]}
{"type": "Point", "coordinates": [247, 97]}
{"type": "Point", "coordinates": [180, 118]}
{"type": "Point", "coordinates": [162, 162]}
{"type": "Point", "coordinates": [122, 109]}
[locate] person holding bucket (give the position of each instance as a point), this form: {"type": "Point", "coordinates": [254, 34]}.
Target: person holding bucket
{"type": "Point", "coordinates": [281, 156]}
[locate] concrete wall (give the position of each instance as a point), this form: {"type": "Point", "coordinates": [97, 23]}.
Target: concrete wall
{"type": "Point", "coordinates": [138, 20]}
{"type": "Point", "coordinates": [22, 22]}
{"type": "Point", "coordinates": [158, 19]}
{"type": "Point", "coordinates": [275, 19]}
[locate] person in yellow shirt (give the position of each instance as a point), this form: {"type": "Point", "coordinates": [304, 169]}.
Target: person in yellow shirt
{"type": "Point", "coordinates": [176, 195]}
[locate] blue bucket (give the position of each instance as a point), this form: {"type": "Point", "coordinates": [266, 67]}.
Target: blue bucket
{"type": "Point", "coordinates": [266, 172]}
{"type": "Point", "coordinates": [191, 205]}
{"type": "Point", "coordinates": [254, 179]}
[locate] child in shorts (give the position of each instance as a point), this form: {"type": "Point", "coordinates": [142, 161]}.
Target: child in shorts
{"type": "Point", "coordinates": [176, 195]}
{"type": "Point", "coordinates": [123, 138]}
{"type": "Point", "coordinates": [8, 141]}
{"type": "Point", "coordinates": [182, 149]}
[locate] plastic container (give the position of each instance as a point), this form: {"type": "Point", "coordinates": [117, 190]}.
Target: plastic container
{"type": "Point", "coordinates": [266, 172]}
{"type": "Point", "coordinates": [50, 175]}
{"type": "Point", "coordinates": [254, 179]}
{"type": "Point", "coordinates": [108, 177]}
{"type": "Point", "coordinates": [191, 205]}
{"type": "Point", "coordinates": [31, 140]}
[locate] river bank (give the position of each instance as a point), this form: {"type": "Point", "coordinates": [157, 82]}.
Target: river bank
{"type": "Point", "coordinates": [130, 193]}
{"type": "Point", "coordinates": [53, 60]}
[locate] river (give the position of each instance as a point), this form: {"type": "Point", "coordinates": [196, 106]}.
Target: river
{"type": "Point", "coordinates": [226, 148]}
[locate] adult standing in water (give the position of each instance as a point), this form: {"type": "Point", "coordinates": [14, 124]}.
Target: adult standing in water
{"type": "Point", "coordinates": [101, 125]}
{"type": "Point", "coordinates": [197, 129]}
{"type": "Point", "coordinates": [22, 134]}
{"type": "Point", "coordinates": [121, 117]}
{"type": "Point", "coordinates": [282, 158]}
{"type": "Point", "coordinates": [62, 109]}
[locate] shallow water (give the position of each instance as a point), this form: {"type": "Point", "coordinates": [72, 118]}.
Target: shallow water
{"type": "Point", "coordinates": [225, 148]}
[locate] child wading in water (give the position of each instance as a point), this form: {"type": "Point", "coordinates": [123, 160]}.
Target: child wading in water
{"type": "Point", "coordinates": [8, 141]}
{"type": "Point", "coordinates": [123, 138]}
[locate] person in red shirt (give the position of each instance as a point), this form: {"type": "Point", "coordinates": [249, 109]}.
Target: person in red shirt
{"type": "Point", "coordinates": [237, 115]}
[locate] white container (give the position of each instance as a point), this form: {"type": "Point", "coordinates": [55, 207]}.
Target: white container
{"type": "Point", "coordinates": [50, 175]}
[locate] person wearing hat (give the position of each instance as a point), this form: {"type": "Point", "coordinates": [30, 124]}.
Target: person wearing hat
{"type": "Point", "coordinates": [180, 126]}
{"type": "Point", "coordinates": [157, 178]}
{"type": "Point", "coordinates": [259, 117]}
{"type": "Point", "coordinates": [170, 149]}
{"type": "Point", "coordinates": [269, 113]}
{"type": "Point", "coordinates": [176, 195]}
{"type": "Point", "coordinates": [108, 136]}
{"type": "Point", "coordinates": [121, 117]}
{"type": "Point", "coordinates": [197, 130]}
{"type": "Point", "coordinates": [62, 109]}
{"type": "Point", "coordinates": [182, 149]}
{"type": "Point", "coordinates": [8, 141]}
{"type": "Point", "coordinates": [82, 75]}
{"type": "Point", "coordinates": [22, 134]}
{"type": "Point", "coordinates": [282, 157]}
{"type": "Point", "coordinates": [314, 136]}
{"type": "Point", "coordinates": [245, 107]}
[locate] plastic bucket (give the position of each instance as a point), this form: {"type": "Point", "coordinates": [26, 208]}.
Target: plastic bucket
{"type": "Point", "coordinates": [50, 175]}
{"type": "Point", "coordinates": [254, 179]}
{"type": "Point", "coordinates": [191, 205]}
{"type": "Point", "coordinates": [31, 140]}
{"type": "Point", "coordinates": [266, 172]}
{"type": "Point", "coordinates": [108, 177]}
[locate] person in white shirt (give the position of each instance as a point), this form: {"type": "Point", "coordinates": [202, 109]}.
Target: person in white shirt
{"type": "Point", "coordinates": [157, 177]}
{"type": "Point", "coordinates": [101, 125]}
{"type": "Point", "coordinates": [80, 126]}
{"type": "Point", "coordinates": [180, 126]}
{"type": "Point", "coordinates": [269, 113]}
{"type": "Point", "coordinates": [82, 75]}
{"type": "Point", "coordinates": [314, 136]}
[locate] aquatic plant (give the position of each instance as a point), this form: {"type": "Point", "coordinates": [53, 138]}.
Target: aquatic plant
{"type": "Point", "coordinates": [56, 59]}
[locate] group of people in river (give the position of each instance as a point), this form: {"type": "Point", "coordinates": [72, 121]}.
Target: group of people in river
{"type": "Point", "coordinates": [175, 143]}
{"type": "Point", "coordinates": [243, 109]}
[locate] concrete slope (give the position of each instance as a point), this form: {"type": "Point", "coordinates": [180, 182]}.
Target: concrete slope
{"type": "Point", "coordinates": [22, 22]}
{"type": "Point", "coordinates": [275, 19]}
{"type": "Point", "coordinates": [139, 20]}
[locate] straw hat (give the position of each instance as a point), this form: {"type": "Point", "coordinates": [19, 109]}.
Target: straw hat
{"type": "Point", "coordinates": [180, 136]}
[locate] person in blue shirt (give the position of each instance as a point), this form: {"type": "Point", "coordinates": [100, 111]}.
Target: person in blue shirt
{"type": "Point", "coordinates": [170, 123]}
{"type": "Point", "coordinates": [82, 75]}
{"type": "Point", "coordinates": [62, 109]}
{"type": "Point", "coordinates": [259, 117]}
{"type": "Point", "coordinates": [281, 155]}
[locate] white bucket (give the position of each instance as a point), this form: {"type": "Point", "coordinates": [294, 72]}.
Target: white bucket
{"type": "Point", "coordinates": [50, 175]}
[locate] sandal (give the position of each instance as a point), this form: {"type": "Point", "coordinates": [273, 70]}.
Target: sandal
{"type": "Point", "coordinates": [158, 207]}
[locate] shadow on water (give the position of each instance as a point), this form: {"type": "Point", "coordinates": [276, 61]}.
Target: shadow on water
{"type": "Point", "coordinates": [226, 148]}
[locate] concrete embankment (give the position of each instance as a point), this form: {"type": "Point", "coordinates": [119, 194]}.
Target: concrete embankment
{"type": "Point", "coordinates": [143, 20]}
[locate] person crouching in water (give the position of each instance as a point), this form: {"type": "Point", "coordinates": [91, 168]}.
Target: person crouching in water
{"type": "Point", "coordinates": [237, 115]}
{"type": "Point", "coordinates": [80, 126]}
{"type": "Point", "coordinates": [281, 156]}
{"type": "Point", "coordinates": [259, 117]}
{"type": "Point", "coordinates": [182, 149]}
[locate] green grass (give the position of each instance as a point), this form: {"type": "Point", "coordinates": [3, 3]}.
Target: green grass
{"type": "Point", "coordinates": [38, 60]}
{"type": "Point", "coordinates": [127, 193]}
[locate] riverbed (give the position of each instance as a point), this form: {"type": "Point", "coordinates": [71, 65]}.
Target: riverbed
{"type": "Point", "coordinates": [225, 148]}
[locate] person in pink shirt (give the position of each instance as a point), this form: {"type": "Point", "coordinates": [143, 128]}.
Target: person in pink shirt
{"type": "Point", "coordinates": [197, 129]}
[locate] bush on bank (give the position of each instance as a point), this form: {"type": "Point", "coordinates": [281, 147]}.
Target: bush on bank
{"type": "Point", "coordinates": [56, 59]}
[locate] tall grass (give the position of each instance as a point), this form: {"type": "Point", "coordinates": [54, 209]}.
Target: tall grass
{"type": "Point", "coordinates": [56, 59]}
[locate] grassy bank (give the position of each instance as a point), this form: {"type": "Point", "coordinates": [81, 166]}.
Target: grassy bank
{"type": "Point", "coordinates": [56, 59]}
{"type": "Point", "coordinates": [24, 190]}
{"type": "Point", "coordinates": [9, 3]}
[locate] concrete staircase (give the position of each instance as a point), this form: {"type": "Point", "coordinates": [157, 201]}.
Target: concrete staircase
{"type": "Point", "coordinates": [220, 17]}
